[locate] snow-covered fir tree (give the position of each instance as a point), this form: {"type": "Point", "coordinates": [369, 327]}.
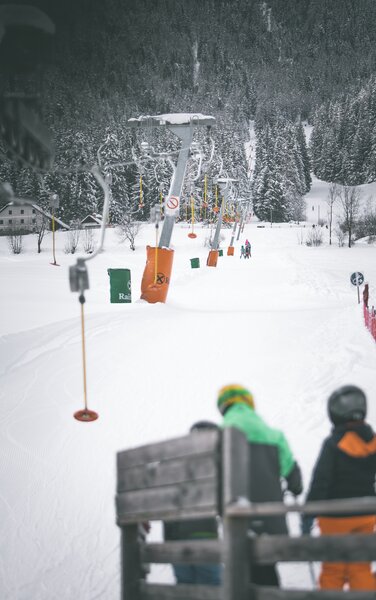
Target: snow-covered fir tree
{"type": "Point", "coordinates": [281, 171]}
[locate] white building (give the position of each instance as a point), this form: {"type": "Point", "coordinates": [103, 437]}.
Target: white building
{"type": "Point", "coordinates": [25, 217]}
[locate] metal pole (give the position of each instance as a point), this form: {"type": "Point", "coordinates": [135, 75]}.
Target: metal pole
{"type": "Point", "coordinates": [241, 224]}
{"type": "Point", "coordinates": [53, 237]}
{"type": "Point", "coordinates": [82, 301]}
{"type": "Point", "coordinates": [240, 227]}
{"type": "Point", "coordinates": [233, 232]}
{"type": "Point", "coordinates": [271, 217]}
{"type": "Point", "coordinates": [215, 243]}
{"type": "Point", "coordinates": [185, 134]}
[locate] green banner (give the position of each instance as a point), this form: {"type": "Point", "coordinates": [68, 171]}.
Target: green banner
{"type": "Point", "coordinates": [120, 285]}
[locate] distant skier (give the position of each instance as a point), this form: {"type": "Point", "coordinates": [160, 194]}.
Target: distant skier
{"type": "Point", "coordinates": [242, 252]}
{"type": "Point", "coordinates": [247, 249]}
{"type": "Point", "coordinates": [345, 468]}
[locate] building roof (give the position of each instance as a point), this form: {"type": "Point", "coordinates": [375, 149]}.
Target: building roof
{"type": "Point", "coordinates": [92, 219]}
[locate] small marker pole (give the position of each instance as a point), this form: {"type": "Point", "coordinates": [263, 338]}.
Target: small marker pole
{"type": "Point", "coordinates": [54, 202]}
{"type": "Point", "coordinates": [155, 215]}
{"type": "Point", "coordinates": [156, 251]}
{"type": "Point", "coordinates": [53, 237]}
{"type": "Point", "coordinates": [82, 302]}
{"type": "Point", "coordinates": [79, 282]}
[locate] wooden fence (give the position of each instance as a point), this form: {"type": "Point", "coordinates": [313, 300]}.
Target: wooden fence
{"type": "Point", "coordinates": [206, 474]}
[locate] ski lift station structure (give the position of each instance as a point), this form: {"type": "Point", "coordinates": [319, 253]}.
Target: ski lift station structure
{"type": "Point", "coordinates": [183, 126]}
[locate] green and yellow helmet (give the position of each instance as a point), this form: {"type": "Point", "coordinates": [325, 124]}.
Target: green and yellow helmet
{"type": "Point", "coordinates": [233, 394]}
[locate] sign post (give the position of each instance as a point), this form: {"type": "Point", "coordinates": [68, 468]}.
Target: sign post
{"type": "Point", "coordinates": [357, 279]}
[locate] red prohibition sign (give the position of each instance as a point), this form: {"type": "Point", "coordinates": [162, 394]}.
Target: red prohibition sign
{"type": "Point", "coordinates": [172, 202]}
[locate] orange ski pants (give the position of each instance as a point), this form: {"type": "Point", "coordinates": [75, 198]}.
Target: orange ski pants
{"type": "Point", "coordinates": [358, 575]}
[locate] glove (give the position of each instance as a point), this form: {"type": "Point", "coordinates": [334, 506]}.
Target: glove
{"type": "Point", "coordinates": [306, 524]}
{"type": "Point", "coordinates": [294, 480]}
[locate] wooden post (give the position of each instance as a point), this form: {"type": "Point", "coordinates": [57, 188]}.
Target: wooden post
{"type": "Point", "coordinates": [236, 474]}
{"type": "Point", "coordinates": [130, 563]}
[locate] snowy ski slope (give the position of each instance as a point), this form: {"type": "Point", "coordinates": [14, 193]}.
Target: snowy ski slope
{"type": "Point", "coordinates": [285, 323]}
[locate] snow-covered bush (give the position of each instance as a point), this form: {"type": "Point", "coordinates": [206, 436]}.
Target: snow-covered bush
{"type": "Point", "coordinates": [15, 242]}
{"type": "Point", "coordinates": [340, 235]}
{"type": "Point", "coordinates": [128, 229]}
{"type": "Point", "coordinates": [88, 243]}
{"type": "Point", "coordinates": [72, 239]}
{"type": "Point", "coordinates": [301, 236]}
{"type": "Point", "coordinates": [366, 224]}
{"type": "Point", "coordinates": [314, 237]}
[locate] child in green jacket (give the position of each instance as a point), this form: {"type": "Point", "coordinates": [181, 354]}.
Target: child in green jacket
{"type": "Point", "coordinates": [271, 460]}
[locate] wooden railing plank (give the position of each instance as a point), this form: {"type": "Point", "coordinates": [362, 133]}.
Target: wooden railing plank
{"type": "Point", "coordinates": [174, 500]}
{"type": "Point", "coordinates": [271, 593]}
{"type": "Point", "coordinates": [359, 506]}
{"type": "Point", "coordinates": [193, 551]}
{"type": "Point", "coordinates": [131, 563]}
{"type": "Point", "coordinates": [331, 548]}
{"type": "Point", "coordinates": [191, 468]}
{"type": "Point", "coordinates": [236, 473]}
{"type": "Point", "coordinates": [189, 445]}
{"type": "Point", "coordinates": [180, 592]}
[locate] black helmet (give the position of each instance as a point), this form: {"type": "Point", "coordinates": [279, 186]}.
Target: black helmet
{"type": "Point", "coordinates": [347, 403]}
{"type": "Point", "coordinates": [203, 425]}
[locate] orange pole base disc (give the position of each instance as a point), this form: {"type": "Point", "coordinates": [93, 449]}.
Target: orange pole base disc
{"type": "Point", "coordinates": [192, 236]}
{"type": "Point", "coordinates": [86, 415]}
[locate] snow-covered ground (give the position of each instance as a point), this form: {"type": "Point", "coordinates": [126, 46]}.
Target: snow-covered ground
{"type": "Point", "coordinates": [286, 324]}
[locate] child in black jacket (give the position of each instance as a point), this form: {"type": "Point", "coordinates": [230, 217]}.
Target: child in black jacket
{"type": "Point", "coordinates": [345, 468]}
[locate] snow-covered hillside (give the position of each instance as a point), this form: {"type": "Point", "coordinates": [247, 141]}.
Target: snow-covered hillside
{"type": "Point", "coordinates": [285, 323]}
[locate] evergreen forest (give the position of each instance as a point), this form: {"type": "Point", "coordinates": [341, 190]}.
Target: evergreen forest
{"type": "Point", "coordinates": [276, 64]}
